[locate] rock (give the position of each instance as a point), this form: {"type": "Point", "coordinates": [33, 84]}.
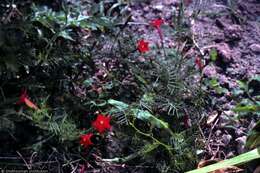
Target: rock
{"type": "Point", "coordinates": [257, 170]}
{"type": "Point", "coordinates": [212, 117]}
{"type": "Point", "coordinates": [233, 32]}
{"type": "Point", "coordinates": [230, 32]}
{"type": "Point", "coordinates": [229, 113]}
{"type": "Point", "coordinates": [241, 141]}
{"type": "Point", "coordinates": [255, 48]}
{"type": "Point", "coordinates": [230, 155]}
{"type": "Point", "coordinates": [146, 9]}
{"type": "Point", "coordinates": [222, 100]}
{"type": "Point", "coordinates": [220, 24]}
{"type": "Point", "coordinates": [218, 132]}
{"type": "Point", "coordinates": [167, 2]}
{"type": "Point", "coordinates": [141, 59]}
{"type": "Point", "coordinates": [210, 71]}
{"type": "Point", "coordinates": [224, 121]}
{"type": "Point", "coordinates": [241, 131]}
{"type": "Point", "coordinates": [251, 125]}
{"type": "Point", "coordinates": [218, 37]}
{"type": "Point", "coordinates": [158, 7]}
{"type": "Point", "coordinates": [223, 79]}
{"type": "Point", "coordinates": [224, 52]}
{"type": "Point", "coordinates": [226, 139]}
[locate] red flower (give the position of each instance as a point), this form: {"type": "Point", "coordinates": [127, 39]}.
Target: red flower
{"type": "Point", "coordinates": [85, 140]}
{"type": "Point", "coordinates": [157, 23]}
{"type": "Point", "coordinates": [199, 63]}
{"type": "Point", "coordinates": [101, 123]}
{"type": "Point", "coordinates": [143, 46]}
{"type": "Point", "coordinates": [25, 100]}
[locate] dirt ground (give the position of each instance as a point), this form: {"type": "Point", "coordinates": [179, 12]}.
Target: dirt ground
{"type": "Point", "coordinates": [234, 31]}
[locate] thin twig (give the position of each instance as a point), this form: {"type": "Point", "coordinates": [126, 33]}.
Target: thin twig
{"type": "Point", "coordinates": [27, 165]}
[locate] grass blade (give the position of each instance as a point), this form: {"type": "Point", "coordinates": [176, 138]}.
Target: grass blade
{"type": "Point", "coordinates": [242, 158]}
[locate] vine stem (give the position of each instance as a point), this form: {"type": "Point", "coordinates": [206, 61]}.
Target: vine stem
{"type": "Point", "coordinates": [146, 149]}
{"type": "Point", "coordinates": [168, 148]}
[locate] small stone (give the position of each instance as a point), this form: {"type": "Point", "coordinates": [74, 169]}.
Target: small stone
{"type": "Point", "coordinates": [229, 113]}
{"type": "Point", "coordinates": [255, 48]}
{"type": "Point", "coordinates": [251, 125]}
{"type": "Point", "coordinates": [218, 132]}
{"type": "Point", "coordinates": [233, 32]}
{"type": "Point", "coordinates": [212, 117]}
{"type": "Point", "coordinates": [159, 7]}
{"type": "Point", "coordinates": [146, 9]}
{"type": "Point", "coordinates": [167, 2]}
{"type": "Point", "coordinates": [210, 71]}
{"type": "Point", "coordinates": [223, 79]}
{"type": "Point", "coordinates": [240, 131]}
{"type": "Point", "coordinates": [141, 59]}
{"type": "Point", "coordinates": [226, 139]}
{"type": "Point", "coordinates": [224, 52]}
{"type": "Point", "coordinates": [230, 155]}
{"type": "Point", "coordinates": [224, 120]}
{"type": "Point", "coordinates": [220, 24]}
{"type": "Point", "coordinates": [241, 141]}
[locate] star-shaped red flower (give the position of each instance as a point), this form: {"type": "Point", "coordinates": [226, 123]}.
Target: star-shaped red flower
{"type": "Point", "coordinates": [25, 100]}
{"type": "Point", "coordinates": [157, 23]}
{"type": "Point", "coordinates": [199, 63]}
{"type": "Point", "coordinates": [143, 46]}
{"type": "Point", "coordinates": [102, 123]}
{"type": "Point", "coordinates": [85, 140]}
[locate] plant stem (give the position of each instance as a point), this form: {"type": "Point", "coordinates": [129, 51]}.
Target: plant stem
{"type": "Point", "coordinates": [146, 149]}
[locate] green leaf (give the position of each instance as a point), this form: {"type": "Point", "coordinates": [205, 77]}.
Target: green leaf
{"type": "Point", "coordinates": [56, 20]}
{"type": "Point", "coordinates": [140, 79]}
{"type": "Point", "coordinates": [118, 104]}
{"type": "Point", "coordinates": [242, 158]}
{"type": "Point", "coordinates": [237, 92]}
{"type": "Point", "coordinates": [256, 78]}
{"type": "Point", "coordinates": [140, 114]}
{"type": "Point", "coordinates": [247, 108]}
{"type": "Point", "coordinates": [148, 117]}
{"type": "Point", "coordinates": [64, 34]}
{"type": "Point", "coordinates": [221, 90]}
{"type": "Point", "coordinates": [93, 103]}
{"type": "Point", "coordinates": [88, 82]}
{"type": "Point", "coordinates": [242, 85]}
{"type": "Point", "coordinates": [213, 83]}
{"type": "Point", "coordinates": [109, 85]}
{"type": "Point", "coordinates": [148, 98]}
{"type": "Point", "coordinates": [213, 55]}
{"type": "Point", "coordinates": [116, 5]}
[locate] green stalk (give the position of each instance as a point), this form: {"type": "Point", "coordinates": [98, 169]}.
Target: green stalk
{"type": "Point", "coordinates": [242, 158]}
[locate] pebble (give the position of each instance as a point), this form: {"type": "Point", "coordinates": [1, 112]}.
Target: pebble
{"type": "Point", "coordinates": [218, 132]}
{"type": "Point", "coordinates": [255, 48]}
{"type": "Point", "coordinates": [224, 52]}
{"type": "Point", "coordinates": [233, 32]}
{"type": "Point", "coordinates": [226, 139]}
{"type": "Point", "coordinates": [241, 144]}
{"type": "Point", "coordinates": [210, 71]}
{"type": "Point", "coordinates": [159, 7]}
